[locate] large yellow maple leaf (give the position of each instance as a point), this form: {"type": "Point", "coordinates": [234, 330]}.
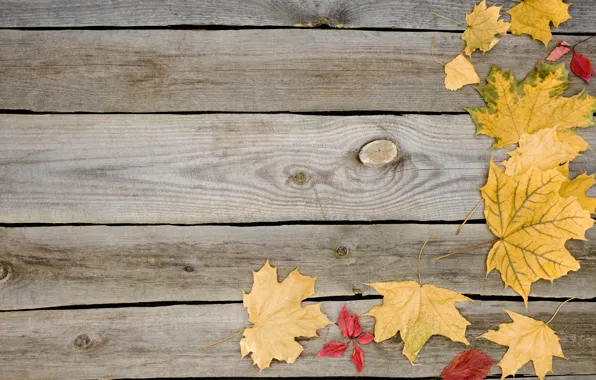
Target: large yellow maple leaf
{"type": "Point", "coordinates": [533, 222]}
{"type": "Point", "coordinates": [417, 312]}
{"type": "Point", "coordinates": [527, 339]}
{"type": "Point", "coordinates": [533, 17]}
{"type": "Point", "coordinates": [483, 26]}
{"type": "Point", "coordinates": [544, 150]}
{"type": "Point", "coordinates": [513, 109]}
{"type": "Point", "coordinates": [278, 318]}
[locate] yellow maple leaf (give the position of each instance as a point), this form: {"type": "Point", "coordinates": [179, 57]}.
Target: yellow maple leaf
{"type": "Point", "coordinates": [543, 150]}
{"type": "Point", "coordinates": [460, 72]}
{"type": "Point", "coordinates": [417, 312]}
{"type": "Point", "coordinates": [527, 339]}
{"type": "Point", "coordinates": [483, 26]}
{"type": "Point", "coordinates": [278, 318]}
{"type": "Point", "coordinates": [514, 109]}
{"type": "Point", "coordinates": [577, 188]}
{"type": "Point", "coordinates": [533, 17]}
{"type": "Point", "coordinates": [532, 222]}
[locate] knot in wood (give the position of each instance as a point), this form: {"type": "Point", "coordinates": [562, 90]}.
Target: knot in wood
{"type": "Point", "coordinates": [83, 342]}
{"type": "Point", "coordinates": [189, 269]}
{"type": "Point", "coordinates": [342, 251]}
{"type": "Point", "coordinates": [299, 178]}
{"type": "Point", "coordinates": [4, 271]}
{"type": "Point", "coordinates": [379, 153]}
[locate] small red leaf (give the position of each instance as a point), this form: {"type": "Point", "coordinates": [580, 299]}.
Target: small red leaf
{"type": "Point", "coordinates": [357, 328]}
{"type": "Point", "coordinates": [469, 365]}
{"type": "Point", "coordinates": [333, 350]}
{"type": "Point", "coordinates": [358, 358]}
{"type": "Point", "coordinates": [345, 322]}
{"type": "Point", "coordinates": [366, 338]}
{"type": "Point", "coordinates": [561, 49]}
{"type": "Point", "coordinates": [582, 66]}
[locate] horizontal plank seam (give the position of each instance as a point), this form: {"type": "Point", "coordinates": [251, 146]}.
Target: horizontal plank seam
{"type": "Point", "coordinates": [199, 27]}
{"type": "Point", "coordinates": [250, 224]}
{"type": "Point", "coordinates": [475, 297]}
{"type": "Point", "coordinates": [314, 113]}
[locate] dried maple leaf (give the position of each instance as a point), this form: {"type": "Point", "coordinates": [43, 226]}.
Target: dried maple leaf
{"type": "Point", "coordinates": [483, 26]}
{"type": "Point", "coordinates": [561, 49]}
{"type": "Point", "coordinates": [532, 222]}
{"type": "Point", "coordinates": [278, 318]}
{"type": "Point", "coordinates": [351, 329]}
{"type": "Point", "coordinates": [543, 150]}
{"type": "Point", "coordinates": [469, 365]}
{"type": "Point", "coordinates": [582, 66]}
{"type": "Point", "coordinates": [577, 188]}
{"type": "Point", "coordinates": [460, 72]}
{"type": "Point", "coordinates": [417, 312]}
{"type": "Point", "coordinates": [527, 339]}
{"type": "Point", "coordinates": [514, 109]}
{"type": "Point", "coordinates": [533, 17]}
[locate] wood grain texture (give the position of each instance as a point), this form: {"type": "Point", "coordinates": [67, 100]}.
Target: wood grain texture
{"type": "Point", "coordinates": [240, 168]}
{"type": "Point", "coordinates": [402, 14]}
{"type": "Point", "coordinates": [165, 341]}
{"type": "Point", "coordinates": [245, 70]}
{"type": "Point", "coordinates": [57, 266]}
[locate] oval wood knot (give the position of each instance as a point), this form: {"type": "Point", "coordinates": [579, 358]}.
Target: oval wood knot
{"type": "Point", "coordinates": [379, 153]}
{"type": "Point", "coordinates": [4, 272]}
{"type": "Point", "coordinates": [83, 342]}
{"type": "Point", "coordinates": [299, 178]}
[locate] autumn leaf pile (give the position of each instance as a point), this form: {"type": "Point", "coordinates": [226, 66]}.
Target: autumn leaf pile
{"type": "Point", "coordinates": [531, 205]}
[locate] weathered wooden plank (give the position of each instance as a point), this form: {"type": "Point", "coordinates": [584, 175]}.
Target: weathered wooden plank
{"type": "Point", "coordinates": [246, 70]}
{"type": "Point", "coordinates": [239, 168]}
{"type": "Point", "coordinates": [403, 14]}
{"type": "Point", "coordinates": [165, 342]}
{"type": "Point", "coordinates": [56, 266]}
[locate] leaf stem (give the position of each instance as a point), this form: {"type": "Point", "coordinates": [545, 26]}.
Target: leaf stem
{"type": "Point", "coordinates": [432, 52]}
{"type": "Point", "coordinates": [420, 255]}
{"type": "Point", "coordinates": [468, 217]}
{"type": "Point", "coordinates": [464, 249]}
{"type": "Point", "coordinates": [582, 41]}
{"type": "Point", "coordinates": [559, 308]}
{"type": "Point", "coordinates": [448, 19]}
{"type": "Point", "coordinates": [223, 340]}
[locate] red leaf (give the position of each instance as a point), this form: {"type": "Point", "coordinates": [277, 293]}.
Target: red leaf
{"type": "Point", "coordinates": [469, 365]}
{"type": "Point", "coordinates": [582, 66]}
{"type": "Point", "coordinates": [561, 49]}
{"type": "Point", "coordinates": [345, 322]}
{"type": "Point", "coordinates": [366, 338]}
{"type": "Point", "coordinates": [357, 328]}
{"type": "Point", "coordinates": [333, 350]}
{"type": "Point", "coordinates": [358, 358]}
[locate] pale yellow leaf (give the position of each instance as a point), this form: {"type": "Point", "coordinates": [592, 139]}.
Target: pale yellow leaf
{"type": "Point", "coordinates": [278, 318]}
{"type": "Point", "coordinates": [483, 26]}
{"type": "Point", "coordinates": [417, 313]}
{"type": "Point", "coordinates": [460, 72]}
{"type": "Point", "coordinates": [527, 339]}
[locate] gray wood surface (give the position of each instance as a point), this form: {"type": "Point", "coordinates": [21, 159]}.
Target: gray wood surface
{"type": "Point", "coordinates": [240, 168]}
{"type": "Point", "coordinates": [57, 266]}
{"type": "Point", "coordinates": [402, 14]}
{"type": "Point", "coordinates": [165, 341]}
{"type": "Point", "coordinates": [245, 70]}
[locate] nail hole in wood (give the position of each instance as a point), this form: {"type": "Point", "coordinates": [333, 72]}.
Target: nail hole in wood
{"type": "Point", "coordinates": [379, 153]}
{"type": "Point", "coordinates": [189, 269]}
{"type": "Point", "coordinates": [299, 178]}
